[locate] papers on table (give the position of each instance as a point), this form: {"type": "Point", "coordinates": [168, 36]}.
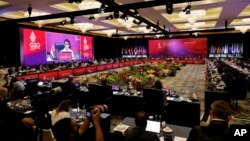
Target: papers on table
{"type": "Point", "coordinates": [121, 128]}
{"type": "Point", "coordinates": [176, 138]}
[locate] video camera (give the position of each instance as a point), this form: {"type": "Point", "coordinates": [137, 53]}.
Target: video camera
{"type": "Point", "coordinates": [94, 109]}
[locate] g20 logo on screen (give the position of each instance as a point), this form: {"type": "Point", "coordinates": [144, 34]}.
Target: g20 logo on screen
{"type": "Point", "coordinates": [33, 44]}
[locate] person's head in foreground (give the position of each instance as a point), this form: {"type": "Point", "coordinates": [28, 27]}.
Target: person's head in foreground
{"type": "Point", "coordinates": [141, 119]}
{"type": "Point", "coordinates": [220, 110]}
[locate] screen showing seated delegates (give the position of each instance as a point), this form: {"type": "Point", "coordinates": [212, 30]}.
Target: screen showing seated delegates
{"type": "Point", "coordinates": [134, 49]}
{"type": "Point", "coordinates": [41, 47]}
{"type": "Point", "coordinates": [223, 50]}
{"type": "Point", "coordinates": [178, 48]}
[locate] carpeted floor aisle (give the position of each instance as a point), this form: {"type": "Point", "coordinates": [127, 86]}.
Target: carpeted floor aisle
{"type": "Point", "coordinates": [190, 79]}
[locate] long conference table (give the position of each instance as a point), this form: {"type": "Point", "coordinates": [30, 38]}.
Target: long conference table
{"type": "Point", "coordinates": [178, 112]}
{"type": "Point", "coordinates": [63, 73]}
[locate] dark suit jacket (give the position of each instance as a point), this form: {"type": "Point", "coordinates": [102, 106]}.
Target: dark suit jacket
{"type": "Point", "coordinates": [215, 131]}
{"type": "Point", "coordinates": [137, 134]}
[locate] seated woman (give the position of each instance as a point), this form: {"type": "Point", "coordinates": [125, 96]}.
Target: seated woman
{"type": "Point", "coordinates": [158, 84]}
{"type": "Point", "coordinates": [61, 112]}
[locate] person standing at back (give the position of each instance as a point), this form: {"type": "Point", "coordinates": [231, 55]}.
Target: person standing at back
{"type": "Point", "coordinates": [218, 128]}
{"type": "Point", "coordinates": [139, 133]}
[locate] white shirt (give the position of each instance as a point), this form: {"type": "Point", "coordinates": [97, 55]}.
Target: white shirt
{"type": "Point", "coordinates": [56, 117]}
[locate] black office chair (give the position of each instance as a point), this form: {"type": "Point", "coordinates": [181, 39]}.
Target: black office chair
{"type": "Point", "coordinates": [154, 102]}
{"type": "Point", "coordinates": [239, 89]}
{"type": "Point", "coordinates": [101, 94]}
{"type": "Point", "coordinates": [31, 88]}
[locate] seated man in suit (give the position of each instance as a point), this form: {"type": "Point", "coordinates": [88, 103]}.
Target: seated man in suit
{"type": "Point", "coordinates": [218, 128]}
{"type": "Point", "coordinates": [139, 133]}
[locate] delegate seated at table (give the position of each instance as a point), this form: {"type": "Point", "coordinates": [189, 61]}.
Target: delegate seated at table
{"type": "Point", "coordinates": [139, 133]}
{"type": "Point", "coordinates": [218, 129]}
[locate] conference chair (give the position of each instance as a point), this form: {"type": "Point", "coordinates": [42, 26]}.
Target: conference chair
{"type": "Point", "coordinates": [239, 89]}
{"type": "Point", "coordinates": [31, 87]}
{"type": "Point", "coordinates": [100, 94]}
{"type": "Point", "coordinates": [44, 134]}
{"type": "Point", "coordinates": [154, 102]}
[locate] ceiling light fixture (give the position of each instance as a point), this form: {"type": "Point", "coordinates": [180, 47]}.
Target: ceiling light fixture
{"type": "Point", "coordinates": [110, 17]}
{"type": "Point", "coordinates": [193, 16]}
{"type": "Point", "coordinates": [63, 22]}
{"type": "Point", "coordinates": [83, 26]}
{"type": "Point", "coordinates": [102, 8]}
{"type": "Point", "coordinates": [169, 7]}
{"type": "Point", "coordinates": [72, 19]}
{"type": "Point", "coordinates": [187, 9]}
{"type": "Point", "coordinates": [91, 17]}
{"type": "Point", "coordinates": [109, 32]}
{"type": "Point", "coordinates": [89, 4]}
{"type": "Point", "coordinates": [195, 34]}
{"type": "Point", "coordinates": [195, 26]}
{"type": "Point", "coordinates": [125, 37]}
{"type": "Point", "coordinates": [246, 20]}
{"type": "Point", "coordinates": [124, 16]}
{"type": "Point", "coordinates": [116, 13]}
{"type": "Point", "coordinates": [242, 29]}
{"type": "Point", "coordinates": [29, 9]}
{"type": "Point", "coordinates": [30, 13]}
{"type": "Point", "coordinates": [72, 1]}
{"type": "Point", "coordinates": [148, 27]}
{"type": "Point", "coordinates": [136, 13]}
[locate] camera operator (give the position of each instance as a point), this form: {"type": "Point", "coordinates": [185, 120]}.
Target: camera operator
{"type": "Point", "coordinates": [67, 129]}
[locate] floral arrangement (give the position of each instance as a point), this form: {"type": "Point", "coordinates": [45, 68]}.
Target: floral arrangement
{"type": "Point", "coordinates": [138, 76]}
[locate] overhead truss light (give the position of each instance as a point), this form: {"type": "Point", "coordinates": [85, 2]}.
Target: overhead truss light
{"type": "Point", "coordinates": [102, 8]}
{"type": "Point", "coordinates": [187, 9]}
{"type": "Point", "coordinates": [89, 4]}
{"type": "Point", "coordinates": [243, 29]}
{"type": "Point", "coordinates": [72, 1]}
{"type": "Point", "coordinates": [110, 17]}
{"type": "Point", "coordinates": [91, 17]}
{"type": "Point", "coordinates": [169, 7]}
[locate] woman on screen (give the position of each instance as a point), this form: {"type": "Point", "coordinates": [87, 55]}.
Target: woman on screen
{"type": "Point", "coordinates": [67, 48]}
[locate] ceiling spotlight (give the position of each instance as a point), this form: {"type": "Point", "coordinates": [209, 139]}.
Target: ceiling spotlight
{"type": "Point", "coordinates": [148, 27]}
{"type": "Point", "coordinates": [136, 13]}
{"type": "Point", "coordinates": [63, 22]}
{"type": "Point", "coordinates": [155, 30]}
{"type": "Point", "coordinates": [102, 8]}
{"type": "Point", "coordinates": [187, 9]}
{"type": "Point", "coordinates": [110, 17]}
{"type": "Point", "coordinates": [124, 16]}
{"type": "Point", "coordinates": [76, 1]}
{"type": "Point", "coordinates": [72, 19]}
{"type": "Point", "coordinates": [116, 13]}
{"type": "Point", "coordinates": [29, 9]}
{"type": "Point", "coordinates": [91, 17]}
{"type": "Point", "coordinates": [137, 22]}
{"type": "Point", "coordinates": [169, 7]}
